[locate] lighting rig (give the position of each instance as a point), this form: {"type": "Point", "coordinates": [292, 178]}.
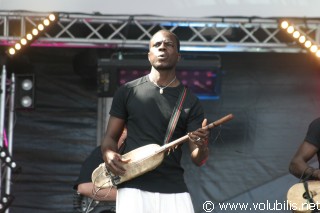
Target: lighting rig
{"type": "Point", "coordinates": [7, 163]}
{"type": "Point", "coordinates": [302, 38]}
{"type": "Point", "coordinates": [16, 94]}
{"type": "Point", "coordinates": [31, 36]}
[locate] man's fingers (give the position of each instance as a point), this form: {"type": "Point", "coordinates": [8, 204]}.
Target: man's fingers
{"type": "Point", "coordinates": [204, 122]}
{"type": "Point", "coordinates": [125, 160]}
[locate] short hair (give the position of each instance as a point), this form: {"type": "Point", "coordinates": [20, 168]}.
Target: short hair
{"type": "Point", "coordinates": [174, 35]}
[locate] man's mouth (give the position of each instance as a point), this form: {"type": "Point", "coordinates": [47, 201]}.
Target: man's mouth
{"type": "Point", "coordinates": [162, 56]}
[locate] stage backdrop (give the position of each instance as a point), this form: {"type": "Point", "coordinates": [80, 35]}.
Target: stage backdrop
{"type": "Point", "coordinates": [273, 98]}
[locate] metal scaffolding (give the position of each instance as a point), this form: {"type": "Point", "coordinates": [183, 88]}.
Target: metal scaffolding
{"type": "Point", "coordinates": [6, 140]}
{"type": "Point", "coordinates": [249, 34]}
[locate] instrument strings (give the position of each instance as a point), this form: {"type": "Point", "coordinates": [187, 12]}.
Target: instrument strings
{"type": "Point", "coordinates": [95, 191]}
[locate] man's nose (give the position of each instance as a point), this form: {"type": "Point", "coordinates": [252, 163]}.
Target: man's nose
{"type": "Point", "coordinates": [162, 45]}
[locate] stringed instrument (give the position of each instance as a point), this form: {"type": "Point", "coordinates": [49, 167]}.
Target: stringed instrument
{"type": "Point", "coordinates": [297, 197]}
{"type": "Point", "coordinates": [143, 159]}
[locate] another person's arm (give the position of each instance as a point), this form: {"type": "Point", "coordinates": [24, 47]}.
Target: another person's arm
{"type": "Point", "coordinates": [106, 194]}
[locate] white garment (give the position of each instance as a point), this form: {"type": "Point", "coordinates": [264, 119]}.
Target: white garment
{"type": "Point", "coordinates": [131, 200]}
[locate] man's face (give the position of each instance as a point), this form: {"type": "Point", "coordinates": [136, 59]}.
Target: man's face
{"type": "Point", "coordinates": [163, 53]}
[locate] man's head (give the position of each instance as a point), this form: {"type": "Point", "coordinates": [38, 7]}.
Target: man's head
{"type": "Point", "coordinates": [164, 50]}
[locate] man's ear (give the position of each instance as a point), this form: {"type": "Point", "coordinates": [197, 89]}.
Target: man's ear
{"type": "Point", "coordinates": [179, 57]}
{"type": "Point", "coordinates": [149, 56]}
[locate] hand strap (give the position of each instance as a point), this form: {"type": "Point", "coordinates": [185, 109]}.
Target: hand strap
{"type": "Point", "coordinates": [175, 115]}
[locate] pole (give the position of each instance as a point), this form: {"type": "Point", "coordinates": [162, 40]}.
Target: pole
{"type": "Point", "coordinates": [10, 134]}
{"type": "Point", "coordinates": [2, 112]}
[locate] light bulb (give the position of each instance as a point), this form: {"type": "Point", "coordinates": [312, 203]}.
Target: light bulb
{"type": "Point", "coordinates": [26, 84]}
{"type": "Point", "coordinates": [284, 24]}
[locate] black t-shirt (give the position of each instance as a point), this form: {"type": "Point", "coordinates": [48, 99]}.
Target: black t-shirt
{"type": "Point", "coordinates": [147, 114]}
{"type": "Point", "coordinates": [313, 135]}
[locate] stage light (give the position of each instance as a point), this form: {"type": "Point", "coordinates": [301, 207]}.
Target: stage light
{"type": "Point", "coordinates": [29, 36]}
{"type": "Point", "coordinates": [12, 51]}
{"type": "Point", "coordinates": [5, 202]}
{"type": "Point", "coordinates": [46, 22]}
{"type": "Point", "coordinates": [290, 29]}
{"type": "Point", "coordinates": [52, 17]}
{"type": "Point", "coordinates": [23, 41]}
{"type": "Point", "coordinates": [25, 91]}
{"type": "Point", "coordinates": [301, 37]}
{"type": "Point", "coordinates": [27, 84]}
{"type": "Point", "coordinates": [40, 27]}
{"type": "Point", "coordinates": [7, 158]}
{"type": "Point", "coordinates": [34, 34]}
{"type": "Point", "coordinates": [313, 48]}
{"type": "Point", "coordinates": [17, 46]}
{"type": "Point", "coordinates": [296, 34]}
{"type": "Point", "coordinates": [26, 101]}
{"type": "Point", "coordinates": [284, 24]}
{"type": "Point", "coordinates": [307, 44]}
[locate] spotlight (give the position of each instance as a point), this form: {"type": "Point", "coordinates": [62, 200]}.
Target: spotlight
{"type": "Point", "coordinates": [46, 22]}
{"type": "Point", "coordinates": [40, 27]}
{"type": "Point", "coordinates": [25, 91]}
{"type": "Point", "coordinates": [5, 202]}
{"type": "Point", "coordinates": [307, 44]}
{"type": "Point", "coordinates": [17, 46]}
{"type": "Point", "coordinates": [284, 24]}
{"type": "Point", "coordinates": [302, 39]}
{"type": "Point", "coordinates": [313, 48]}
{"type": "Point", "coordinates": [7, 158]}
{"type": "Point", "coordinates": [12, 51]}
{"type": "Point", "coordinates": [33, 34]}
{"type": "Point", "coordinates": [29, 36]}
{"type": "Point", "coordinates": [52, 17]}
{"type": "Point", "coordinates": [23, 41]}
{"type": "Point", "coordinates": [296, 34]}
{"type": "Point", "coordinates": [290, 29]}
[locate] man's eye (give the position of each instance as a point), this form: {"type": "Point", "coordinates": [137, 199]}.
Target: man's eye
{"type": "Point", "coordinates": [169, 44]}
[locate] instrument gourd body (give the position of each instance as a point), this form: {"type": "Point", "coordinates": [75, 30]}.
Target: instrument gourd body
{"type": "Point", "coordinates": [298, 200]}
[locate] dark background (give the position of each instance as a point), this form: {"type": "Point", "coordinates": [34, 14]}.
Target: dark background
{"type": "Point", "coordinates": [273, 97]}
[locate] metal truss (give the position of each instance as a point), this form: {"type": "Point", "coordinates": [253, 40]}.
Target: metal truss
{"type": "Point", "coordinates": [124, 31]}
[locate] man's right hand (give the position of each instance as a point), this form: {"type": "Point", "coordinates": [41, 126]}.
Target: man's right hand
{"type": "Point", "coordinates": [114, 162]}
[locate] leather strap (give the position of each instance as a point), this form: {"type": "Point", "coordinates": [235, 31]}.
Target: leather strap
{"type": "Point", "coordinates": [308, 196]}
{"type": "Point", "coordinates": [175, 115]}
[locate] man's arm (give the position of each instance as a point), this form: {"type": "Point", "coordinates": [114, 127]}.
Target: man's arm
{"type": "Point", "coordinates": [299, 166]}
{"type": "Point", "coordinates": [109, 147]}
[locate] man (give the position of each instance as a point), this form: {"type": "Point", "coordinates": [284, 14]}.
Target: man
{"type": "Point", "coordinates": [299, 166]}
{"type": "Point", "coordinates": [145, 106]}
